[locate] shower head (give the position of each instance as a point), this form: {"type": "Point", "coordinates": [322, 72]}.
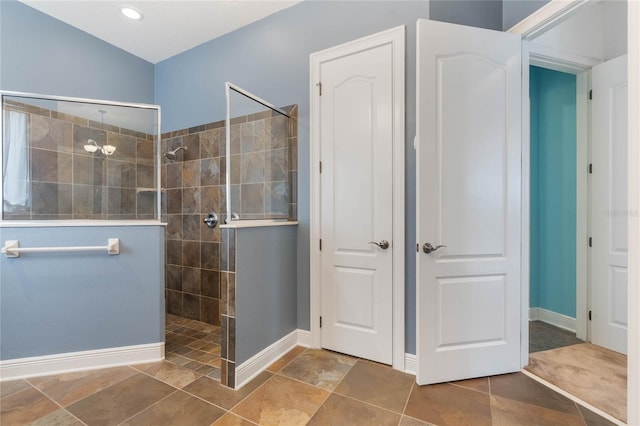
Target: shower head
{"type": "Point", "coordinates": [171, 155]}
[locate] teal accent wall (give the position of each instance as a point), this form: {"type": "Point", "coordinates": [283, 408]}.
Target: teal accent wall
{"type": "Point", "coordinates": [553, 191]}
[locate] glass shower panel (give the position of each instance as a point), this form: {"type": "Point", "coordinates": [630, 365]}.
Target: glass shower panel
{"type": "Point", "coordinates": [258, 162]}
{"type": "Point", "coordinates": [64, 159]}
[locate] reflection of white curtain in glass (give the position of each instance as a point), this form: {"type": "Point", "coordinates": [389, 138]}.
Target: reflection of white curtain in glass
{"type": "Point", "coordinates": [15, 169]}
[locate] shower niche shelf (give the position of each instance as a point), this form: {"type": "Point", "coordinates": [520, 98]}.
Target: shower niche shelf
{"type": "Point", "coordinates": [143, 190]}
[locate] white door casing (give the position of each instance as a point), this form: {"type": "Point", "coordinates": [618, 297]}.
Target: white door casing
{"type": "Point", "coordinates": [546, 17]}
{"type": "Point", "coordinates": [609, 212]}
{"type": "Point", "coordinates": [469, 199]}
{"type": "Point", "coordinates": [358, 136]}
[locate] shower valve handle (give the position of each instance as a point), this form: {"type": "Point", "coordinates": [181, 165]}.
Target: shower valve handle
{"type": "Point", "coordinates": [211, 220]}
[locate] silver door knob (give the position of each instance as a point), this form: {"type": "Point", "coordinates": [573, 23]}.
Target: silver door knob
{"type": "Point", "coordinates": [384, 244]}
{"type": "Point", "coordinates": [428, 248]}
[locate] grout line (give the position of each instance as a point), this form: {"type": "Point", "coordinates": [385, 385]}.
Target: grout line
{"type": "Point", "coordinates": [93, 371]}
{"type": "Point", "coordinates": [406, 403]}
{"type": "Point", "coordinates": [238, 415]}
{"type": "Point", "coordinates": [43, 394]}
{"type": "Point", "coordinates": [284, 366]}
{"type": "Point", "coordinates": [584, 421]}
{"type": "Point", "coordinates": [146, 408]}
{"type": "Point", "coordinates": [301, 381]}
{"type": "Point", "coordinates": [249, 394]}
{"type": "Point", "coordinates": [311, 384]}
{"type": "Point", "coordinates": [333, 391]}
{"type": "Point", "coordinates": [202, 399]}
{"type": "Point", "coordinates": [471, 389]}
{"type": "Point", "coordinates": [574, 398]}
{"type": "Point", "coordinates": [167, 383]}
{"type": "Point", "coordinates": [13, 393]}
{"type": "Point", "coordinates": [55, 402]}
{"type": "Point", "coordinates": [368, 403]}
{"type": "Point", "coordinates": [490, 399]}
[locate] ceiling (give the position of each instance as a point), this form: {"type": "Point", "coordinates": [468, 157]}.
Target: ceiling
{"type": "Point", "coordinates": [168, 27]}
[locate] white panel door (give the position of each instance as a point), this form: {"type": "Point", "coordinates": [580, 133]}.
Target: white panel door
{"type": "Point", "coordinates": [609, 205]}
{"type": "Point", "coordinates": [356, 141]}
{"type": "Point", "coordinates": [468, 199]}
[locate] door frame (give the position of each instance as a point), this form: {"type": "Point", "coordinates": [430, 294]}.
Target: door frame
{"type": "Point", "coordinates": [548, 15]}
{"type": "Point", "coordinates": [580, 66]}
{"type": "Point", "coordinates": [396, 38]}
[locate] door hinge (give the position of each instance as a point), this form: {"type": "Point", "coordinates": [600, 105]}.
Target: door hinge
{"type": "Point", "coordinates": [590, 94]}
{"type": "Point", "coordinates": [418, 247]}
{"type": "Point", "coordinates": [590, 168]}
{"type": "Point", "coordinates": [320, 244]}
{"type": "Point", "coordinates": [321, 322]}
{"type": "Point", "coordinates": [589, 315]}
{"type": "Point", "coordinates": [319, 84]}
{"type": "Point", "coordinates": [320, 166]}
{"type": "Point", "coordinates": [590, 242]}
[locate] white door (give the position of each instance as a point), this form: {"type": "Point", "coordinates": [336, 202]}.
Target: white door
{"type": "Point", "coordinates": [468, 199]}
{"type": "Point", "coordinates": [609, 211]}
{"type": "Point", "coordinates": [356, 200]}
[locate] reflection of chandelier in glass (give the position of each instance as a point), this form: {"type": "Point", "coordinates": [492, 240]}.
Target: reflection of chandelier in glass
{"type": "Point", "coordinates": [92, 146]}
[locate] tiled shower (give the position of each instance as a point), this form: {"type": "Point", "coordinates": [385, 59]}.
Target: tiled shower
{"type": "Point", "coordinates": [263, 178]}
{"type": "Point", "coordinates": [64, 181]}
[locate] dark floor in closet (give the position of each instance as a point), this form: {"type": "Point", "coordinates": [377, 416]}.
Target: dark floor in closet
{"type": "Point", "coordinates": [543, 336]}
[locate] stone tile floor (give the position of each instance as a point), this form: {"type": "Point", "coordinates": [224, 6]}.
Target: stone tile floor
{"type": "Point", "coordinates": [194, 345]}
{"type": "Point", "coordinates": [306, 386]}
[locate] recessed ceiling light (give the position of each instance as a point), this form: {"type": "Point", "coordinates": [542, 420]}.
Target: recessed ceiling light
{"type": "Point", "coordinates": [131, 13]}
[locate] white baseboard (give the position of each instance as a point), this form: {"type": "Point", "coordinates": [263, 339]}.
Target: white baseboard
{"type": "Point", "coordinates": [304, 338]}
{"type": "Point", "coordinates": [47, 365]}
{"type": "Point", "coordinates": [249, 369]}
{"type": "Point", "coordinates": [410, 363]}
{"type": "Point", "coordinates": [553, 318]}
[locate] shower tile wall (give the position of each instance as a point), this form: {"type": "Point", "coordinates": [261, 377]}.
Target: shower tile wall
{"type": "Point", "coordinates": [195, 186]}
{"type": "Point", "coordinates": [66, 182]}
{"type": "Point", "coordinates": [228, 308]}
{"type": "Point", "coordinates": [263, 166]}
{"type": "Point", "coordinates": [194, 183]}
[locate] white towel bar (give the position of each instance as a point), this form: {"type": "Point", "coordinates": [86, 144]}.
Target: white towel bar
{"type": "Point", "coordinates": [12, 248]}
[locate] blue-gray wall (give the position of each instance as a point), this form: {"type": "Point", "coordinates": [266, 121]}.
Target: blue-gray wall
{"type": "Point", "coordinates": [553, 191]}
{"type": "Point", "coordinates": [266, 305]}
{"type": "Point", "coordinates": [40, 54]}
{"type": "Point", "coordinates": [269, 57]}
{"type": "Point", "coordinates": [474, 13]}
{"type": "Point", "coordinates": [513, 11]}
{"type": "Point", "coordinates": [52, 303]}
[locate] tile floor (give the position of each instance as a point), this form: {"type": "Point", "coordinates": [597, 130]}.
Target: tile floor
{"type": "Point", "coordinates": [543, 336]}
{"type": "Point", "coordinates": [594, 374]}
{"type": "Point", "coordinates": [306, 386]}
{"type": "Point", "coordinates": [194, 345]}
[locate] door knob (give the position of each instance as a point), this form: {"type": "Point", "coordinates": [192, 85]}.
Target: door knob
{"type": "Point", "coordinates": [384, 244]}
{"type": "Point", "coordinates": [428, 248]}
